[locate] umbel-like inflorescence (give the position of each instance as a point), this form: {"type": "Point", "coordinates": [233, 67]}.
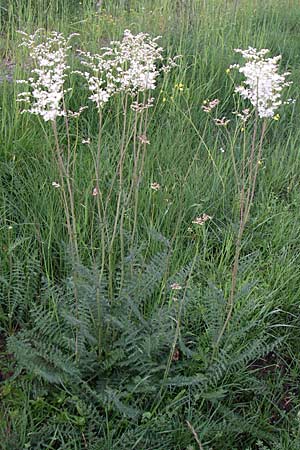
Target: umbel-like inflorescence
{"type": "Point", "coordinates": [46, 85]}
{"type": "Point", "coordinates": [263, 84]}
{"type": "Point", "coordinates": [129, 65]}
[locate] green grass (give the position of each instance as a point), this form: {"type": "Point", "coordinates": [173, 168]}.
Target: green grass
{"type": "Point", "coordinates": [253, 403]}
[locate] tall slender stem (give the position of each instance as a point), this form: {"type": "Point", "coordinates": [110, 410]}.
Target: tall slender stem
{"type": "Point", "coordinates": [69, 216]}
{"type": "Point", "coordinates": [71, 213]}
{"type": "Point", "coordinates": [245, 206]}
{"type": "Point", "coordinates": [120, 193]}
{"type": "Point", "coordinates": [62, 183]}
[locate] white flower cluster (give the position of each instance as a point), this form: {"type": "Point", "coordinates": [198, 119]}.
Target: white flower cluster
{"type": "Point", "coordinates": [100, 78]}
{"type": "Point", "coordinates": [263, 84]}
{"type": "Point", "coordinates": [47, 82]}
{"type": "Point", "coordinates": [136, 57]}
{"type": "Point", "coordinates": [128, 66]}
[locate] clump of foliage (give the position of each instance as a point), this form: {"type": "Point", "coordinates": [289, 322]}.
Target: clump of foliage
{"type": "Point", "coordinates": [152, 346]}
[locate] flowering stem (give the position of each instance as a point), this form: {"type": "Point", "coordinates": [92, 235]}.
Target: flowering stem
{"type": "Point", "coordinates": [138, 173]}
{"type": "Point", "coordinates": [99, 194]}
{"type": "Point", "coordinates": [264, 127]}
{"type": "Point", "coordinates": [245, 206]}
{"type": "Point", "coordinates": [120, 194]}
{"type": "Point", "coordinates": [60, 171]}
{"type": "Point", "coordinates": [135, 155]}
{"type": "Point", "coordinates": [71, 213]}
{"type": "Point", "coordinates": [231, 144]}
{"type": "Point", "coordinates": [101, 222]}
{"type": "Point", "coordinates": [251, 162]}
{"type": "Point", "coordinates": [68, 136]}
{"type": "Point", "coordinates": [71, 230]}
{"type": "Point", "coordinates": [242, 191]}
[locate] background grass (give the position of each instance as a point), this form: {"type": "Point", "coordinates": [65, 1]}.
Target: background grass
{"type": "Point", "coordinates": [256, 406]}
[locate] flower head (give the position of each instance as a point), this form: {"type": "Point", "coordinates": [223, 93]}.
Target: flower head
{"type": "Point", "coordinates": [244, 115]}
{"type": "Point", "coordinates": [201, 219]}
{"type": "Point", "coordinates": [143, 139]}
{"type": "Point", "coordinates": [209, 106]}
{"type": "Point", "coordinates": [46, 85]}
{"type": "Point", "coordinates": [263, 84]}
{"type": "Point", "coordinates": [155, 186]}
{"type": "Point", "coordinates": [175, 287]}
{"type": "Point", "coordinates": [222, 122]}
{"type": "Point", "coordinates": [129, 65]}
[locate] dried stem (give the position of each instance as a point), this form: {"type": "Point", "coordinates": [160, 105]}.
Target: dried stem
{"type": "Point", "coordinates": [195, 435]}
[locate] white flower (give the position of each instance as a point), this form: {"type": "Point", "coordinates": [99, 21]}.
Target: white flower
{"type": "Point", "coordinates": [244, 115]}
{"type": "Point", "coordinates": [46, 85]}
{"type": "Point", "coordinates": [263, 84]}
{"type": "Point", "coordinates": [155, 186]}
{"type": "Point", "coordinates": [222, 122]}
{"type": "Point", "coordinates": [143, 139]}
{"type": "Point", "coordinates": [201, 219]}
{"type": "Point", "coordinates": [139, 107]}
{"type": "Point", "coordinates": [175, 287]}
{"type": "Point", "coordinates": [129, 65]}
{"type": "Point", "coordinates": [209, 106]}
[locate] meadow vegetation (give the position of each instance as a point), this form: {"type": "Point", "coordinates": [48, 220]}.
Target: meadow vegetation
{"type": "Point", "coordinates": [149, 225]}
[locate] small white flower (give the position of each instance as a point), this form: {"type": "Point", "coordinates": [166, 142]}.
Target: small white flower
{"type": "Point", "coordinates": [201, 219]}
{"type": "Point", "coordinates": [222, 122]}
{"type": "Point", "coordinates": [209, 106]}
{"type": "Point", "coordinates": [55, 184]}
{"type": "Point", "coordinates": [155, 186]}
{"type": "Point", "coordinates": [143, 139]}
{"type": "Point", "coordinates": [139, 107]}
{"type": "Point", "coordinates": [86, 141]}
{"type": "Point", "coordinates": [75, 114]}
{"type": "Point", "coordinates": [244, 115]}
{"type": "Point", "coordinates": [175, 287]}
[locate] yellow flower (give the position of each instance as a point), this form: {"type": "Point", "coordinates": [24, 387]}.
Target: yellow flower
{"type": "Point", "coordinates": [276, 117]}
{"type": "Point", "coordinates": [228, 70]}
{"type": "Point", "coordinates": [243, 129]}
{"type": "Point", "coordinates": [164, 99]}
{"type": "Point", "coordinates": [179, 86]}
